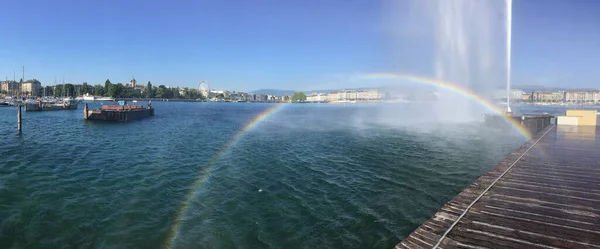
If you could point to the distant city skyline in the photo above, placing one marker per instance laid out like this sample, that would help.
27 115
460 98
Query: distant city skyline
268 44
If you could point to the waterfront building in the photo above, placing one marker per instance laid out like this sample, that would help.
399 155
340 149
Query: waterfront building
526 97
516 94
582 96
548 96
133 84
347 95
333 96
373 94
260 97
361 95
31 87
10 87
316 97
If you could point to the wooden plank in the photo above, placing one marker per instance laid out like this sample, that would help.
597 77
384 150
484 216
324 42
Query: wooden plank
562 216
551 203
497 233
552 185
483 221
549 199
493 241
557 190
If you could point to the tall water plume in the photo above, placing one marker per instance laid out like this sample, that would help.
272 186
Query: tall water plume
508 49
458 41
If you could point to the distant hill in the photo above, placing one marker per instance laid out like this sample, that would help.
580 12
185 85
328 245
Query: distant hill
529 88
278 92
275 92
320 91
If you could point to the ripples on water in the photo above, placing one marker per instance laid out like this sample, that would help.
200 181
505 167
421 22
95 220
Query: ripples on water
325 180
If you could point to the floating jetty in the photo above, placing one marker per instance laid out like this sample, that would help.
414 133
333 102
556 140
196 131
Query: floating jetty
118 113
546 194
39 106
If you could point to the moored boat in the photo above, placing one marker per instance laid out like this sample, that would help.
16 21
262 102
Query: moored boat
122 112
41 105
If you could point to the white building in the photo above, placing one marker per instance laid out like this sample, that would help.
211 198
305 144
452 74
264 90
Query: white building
582 96
516 94
316 97
369 94
333 96
31 87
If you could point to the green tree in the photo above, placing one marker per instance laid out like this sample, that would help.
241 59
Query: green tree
161 92
85 88
57 90
136 93
220 96
192 94
286 98
186 93
176 94
98 90
149 92
115 90
168 93
107 85
48 91
299 96
69 90
126 92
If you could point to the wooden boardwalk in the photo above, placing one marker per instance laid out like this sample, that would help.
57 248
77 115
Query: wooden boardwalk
546 194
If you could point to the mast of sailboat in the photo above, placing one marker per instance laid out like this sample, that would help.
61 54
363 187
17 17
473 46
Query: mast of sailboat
21 83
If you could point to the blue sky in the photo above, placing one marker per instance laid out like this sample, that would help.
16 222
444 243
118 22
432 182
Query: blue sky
248 45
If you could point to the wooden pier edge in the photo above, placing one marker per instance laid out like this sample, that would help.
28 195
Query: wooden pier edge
431 231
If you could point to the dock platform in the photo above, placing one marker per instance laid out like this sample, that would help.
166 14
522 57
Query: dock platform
546 194
118 113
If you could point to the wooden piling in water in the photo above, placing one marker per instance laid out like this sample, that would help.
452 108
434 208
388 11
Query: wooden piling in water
19 119
85 112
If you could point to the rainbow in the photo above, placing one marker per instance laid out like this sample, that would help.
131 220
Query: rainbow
174 230
451 87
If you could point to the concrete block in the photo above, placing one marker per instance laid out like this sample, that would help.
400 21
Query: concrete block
587 117
567 120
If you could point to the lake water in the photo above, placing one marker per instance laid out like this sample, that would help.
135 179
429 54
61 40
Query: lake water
308 176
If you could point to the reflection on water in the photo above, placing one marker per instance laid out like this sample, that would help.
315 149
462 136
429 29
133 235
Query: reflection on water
331 176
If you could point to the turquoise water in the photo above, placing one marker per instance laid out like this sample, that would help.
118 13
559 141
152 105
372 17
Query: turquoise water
309 176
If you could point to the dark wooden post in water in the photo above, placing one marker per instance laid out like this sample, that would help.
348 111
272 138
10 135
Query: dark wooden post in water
19 119
85 112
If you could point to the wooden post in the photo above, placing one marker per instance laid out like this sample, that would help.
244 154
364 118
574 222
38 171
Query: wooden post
19 119
85 111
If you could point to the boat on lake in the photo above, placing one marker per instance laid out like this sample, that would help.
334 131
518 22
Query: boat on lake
88 97
50 105
121 112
